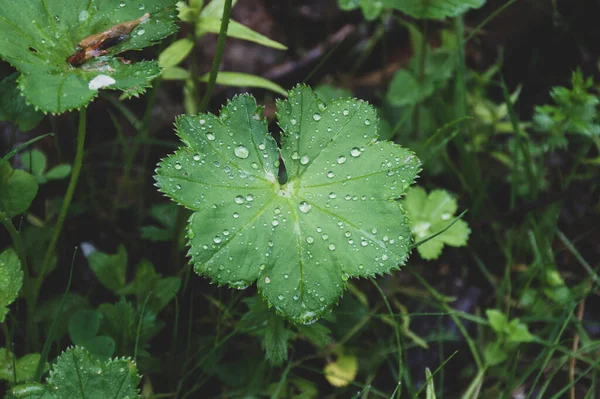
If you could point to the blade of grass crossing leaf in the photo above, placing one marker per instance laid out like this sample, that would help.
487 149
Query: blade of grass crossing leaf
50 338
439 232
237 79
238 31
396 333
429 377
26 144
139 327
281 382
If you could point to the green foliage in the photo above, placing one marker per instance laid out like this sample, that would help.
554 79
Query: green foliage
38 37
164 215
83 331
152 286
35 161
508 336
433 9
77 374
431 214
13 106
371 9
18 190
11 279
575 111
337 209
23 369
110 269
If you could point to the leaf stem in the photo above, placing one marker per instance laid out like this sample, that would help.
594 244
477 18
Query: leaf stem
77 163
218 56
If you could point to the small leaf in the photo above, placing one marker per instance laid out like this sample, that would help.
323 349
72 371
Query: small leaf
497 319
433 9
110 269
371 9
495 354
59 172
336 217
343 371
34 162
430 390
275 340
215 8
11 279
17 190
175 53
38 37
76 374
431 214
238 79
25 366
83 326
13 106
236 30
348 5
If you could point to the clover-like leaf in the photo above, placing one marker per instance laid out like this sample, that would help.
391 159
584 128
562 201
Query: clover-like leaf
336 216
23 368
11 279
431 214
433 9
17 190
77 374
37 37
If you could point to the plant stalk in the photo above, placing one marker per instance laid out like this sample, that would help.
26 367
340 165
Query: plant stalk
77 163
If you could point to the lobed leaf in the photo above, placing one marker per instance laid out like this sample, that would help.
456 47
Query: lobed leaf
433 9
37 37
336 217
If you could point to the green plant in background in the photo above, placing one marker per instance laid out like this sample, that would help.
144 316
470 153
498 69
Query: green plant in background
77 374
206 19
336 205
19 370
575 112
509 334
83 331
431 214
35 161
11 279
14 107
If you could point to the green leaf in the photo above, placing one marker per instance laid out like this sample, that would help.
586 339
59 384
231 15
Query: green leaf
59 172
110 269
236 30
83 326
17 190
239 79
215 8
329 93
13 106
497 319
336 217
348 5
34 162
77 374
316 333
11 279
431 214
38 37
433 9
430 390
175 53
495 353
371 9
275 340
24 366
149 284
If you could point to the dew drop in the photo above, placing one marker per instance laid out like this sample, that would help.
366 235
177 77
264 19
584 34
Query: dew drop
267 280
122 4
304 207
345 112
262 267
341 160
310 239
57 18
304 160
295 155
254 165
241 152
293 121
249 198
330 174
317 117
331 247
332 195
141 6
384 257
355 152
83 15
140 32
367 122
202 121
210 136
217 239
236 215
275 223
239 200
261 146
196 157
286 276
280 297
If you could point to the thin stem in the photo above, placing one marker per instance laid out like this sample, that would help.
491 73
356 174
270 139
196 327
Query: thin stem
218 56
77 163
